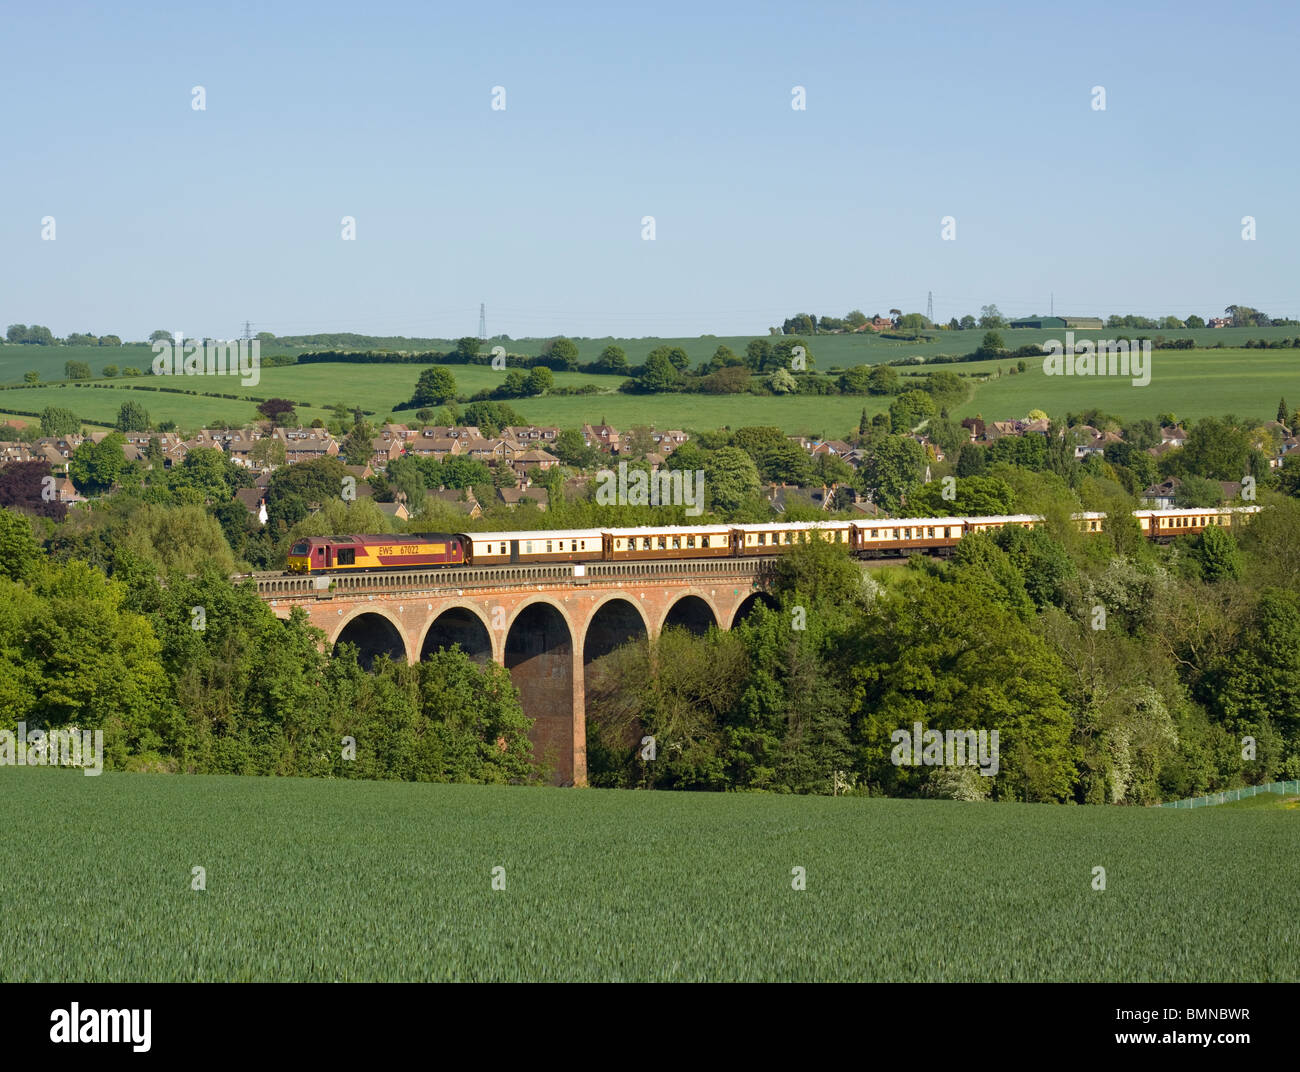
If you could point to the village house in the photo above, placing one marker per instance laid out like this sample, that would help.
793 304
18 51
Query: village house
254 500
1089 441
462 501
877 323
65 492
436 447
513 497
835 447
529 435
601 436
487 450
383 449
1287 446
669 441
783 496
530 461
306 444
396 510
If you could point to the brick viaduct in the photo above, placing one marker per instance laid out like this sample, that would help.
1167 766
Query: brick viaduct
544 623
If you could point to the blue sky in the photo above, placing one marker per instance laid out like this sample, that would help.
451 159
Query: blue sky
195 221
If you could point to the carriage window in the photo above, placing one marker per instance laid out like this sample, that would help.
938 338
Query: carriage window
645 543
930 532
528 547
663 543
704 541
690 540
677 541
762 538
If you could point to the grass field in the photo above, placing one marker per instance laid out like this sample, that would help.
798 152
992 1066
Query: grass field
1265 801
327 880
1190 384
378 387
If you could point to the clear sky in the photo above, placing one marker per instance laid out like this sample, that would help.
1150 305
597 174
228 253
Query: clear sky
195 221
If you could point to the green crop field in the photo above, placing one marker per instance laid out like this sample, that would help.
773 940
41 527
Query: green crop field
1188 383
98 401
334 880
379 387
15 360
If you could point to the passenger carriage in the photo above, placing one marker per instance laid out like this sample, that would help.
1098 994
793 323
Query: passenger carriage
668 541
510 548
1001 521
1164 525
887 536
763 539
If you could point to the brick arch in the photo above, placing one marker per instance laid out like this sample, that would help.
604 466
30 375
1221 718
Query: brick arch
380 608
528 599
623 597
441 607
699 593
758 595
619 596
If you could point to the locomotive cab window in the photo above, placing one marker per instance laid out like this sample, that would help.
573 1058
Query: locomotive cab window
300 548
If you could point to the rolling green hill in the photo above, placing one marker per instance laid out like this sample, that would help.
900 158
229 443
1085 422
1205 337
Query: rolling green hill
1188 383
